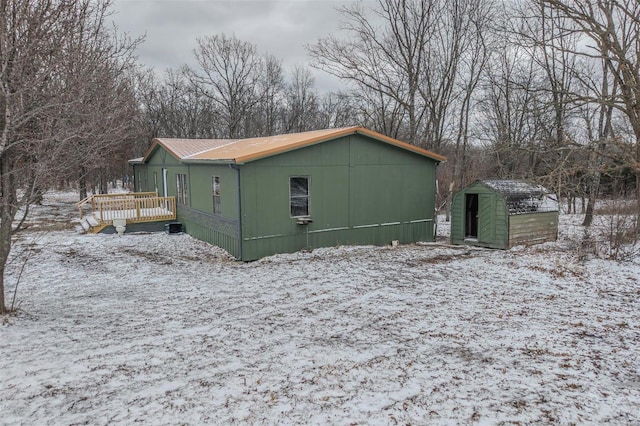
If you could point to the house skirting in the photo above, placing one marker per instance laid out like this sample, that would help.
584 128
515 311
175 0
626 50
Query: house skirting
214 229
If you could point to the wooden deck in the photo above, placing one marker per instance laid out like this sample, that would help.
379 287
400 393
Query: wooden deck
134 207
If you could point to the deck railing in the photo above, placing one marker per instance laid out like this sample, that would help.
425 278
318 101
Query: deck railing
134 207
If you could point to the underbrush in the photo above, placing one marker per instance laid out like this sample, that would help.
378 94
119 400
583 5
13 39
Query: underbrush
614 233
616 207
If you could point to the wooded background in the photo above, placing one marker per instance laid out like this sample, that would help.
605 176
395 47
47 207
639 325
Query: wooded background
546 90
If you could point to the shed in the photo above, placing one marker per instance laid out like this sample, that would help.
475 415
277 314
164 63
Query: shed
261 196
503 213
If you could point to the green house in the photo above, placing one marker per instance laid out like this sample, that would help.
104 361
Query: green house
261 196
503 213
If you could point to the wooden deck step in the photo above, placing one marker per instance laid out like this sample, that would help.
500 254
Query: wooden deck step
92 220
84 225
96 229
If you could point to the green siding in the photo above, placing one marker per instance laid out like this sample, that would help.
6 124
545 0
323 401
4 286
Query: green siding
140 178
496 227
361 192
457 218
197 217
501 223
201 176
492 217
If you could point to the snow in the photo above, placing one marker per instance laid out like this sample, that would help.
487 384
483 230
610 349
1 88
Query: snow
165 329
524 197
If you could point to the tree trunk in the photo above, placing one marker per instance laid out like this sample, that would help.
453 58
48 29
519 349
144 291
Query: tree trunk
593 194
6 221
102 183
637 204
82 183
3 308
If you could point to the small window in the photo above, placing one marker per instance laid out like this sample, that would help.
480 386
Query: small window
182 191
299 196
155 181
215 187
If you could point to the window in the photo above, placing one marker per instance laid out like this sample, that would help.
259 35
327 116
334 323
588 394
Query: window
182 191
155 181
215 187
299 196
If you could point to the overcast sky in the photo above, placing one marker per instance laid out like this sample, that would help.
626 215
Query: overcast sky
279 27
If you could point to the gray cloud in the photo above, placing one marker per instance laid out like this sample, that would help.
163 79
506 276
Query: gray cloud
278 27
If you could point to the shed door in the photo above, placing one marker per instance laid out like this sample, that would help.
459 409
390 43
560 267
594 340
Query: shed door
471 216
486 218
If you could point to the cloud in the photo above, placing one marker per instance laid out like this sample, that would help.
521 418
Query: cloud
278 27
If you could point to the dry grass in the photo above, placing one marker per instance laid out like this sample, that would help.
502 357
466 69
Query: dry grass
616 207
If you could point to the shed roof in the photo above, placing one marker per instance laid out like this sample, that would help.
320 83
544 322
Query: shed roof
245 150
522 196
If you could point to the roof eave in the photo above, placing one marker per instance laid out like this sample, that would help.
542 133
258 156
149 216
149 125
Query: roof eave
208 161
138 160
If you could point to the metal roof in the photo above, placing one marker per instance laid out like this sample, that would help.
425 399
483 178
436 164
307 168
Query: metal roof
185 148
522 196
245 150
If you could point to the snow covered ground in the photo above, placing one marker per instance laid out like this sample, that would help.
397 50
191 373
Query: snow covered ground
165 329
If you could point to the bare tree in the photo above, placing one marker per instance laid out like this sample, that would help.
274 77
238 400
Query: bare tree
336 110
271 94
387 60
543 36
475 50
301 100
599 127
61 73
176 107
407 55
611 32
381 112
229 75
507 118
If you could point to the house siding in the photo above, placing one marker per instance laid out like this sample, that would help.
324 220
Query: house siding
222 229
197 215
361 192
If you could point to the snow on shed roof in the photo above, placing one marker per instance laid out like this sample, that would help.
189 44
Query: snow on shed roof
522 196
245 150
